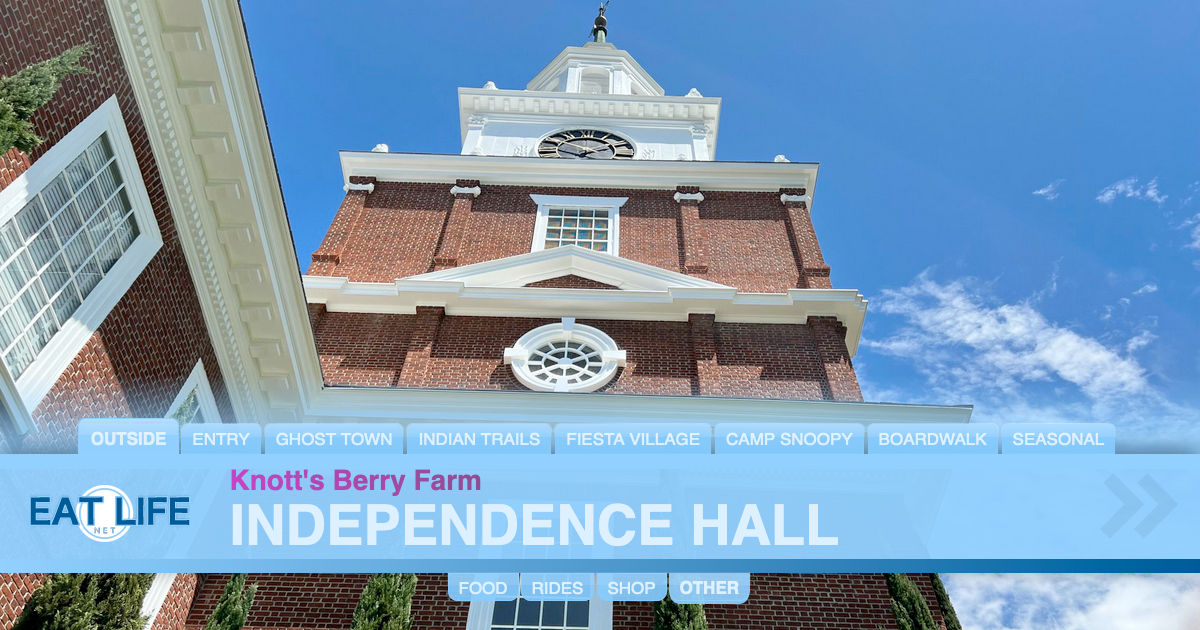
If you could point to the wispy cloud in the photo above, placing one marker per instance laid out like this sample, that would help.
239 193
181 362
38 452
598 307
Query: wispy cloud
1139 341
961 341
1149 287
1194 224
1076 601
1016 364
1151 193
1049 191
1129 188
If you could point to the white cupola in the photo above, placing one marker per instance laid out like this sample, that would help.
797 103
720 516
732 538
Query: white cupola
585 97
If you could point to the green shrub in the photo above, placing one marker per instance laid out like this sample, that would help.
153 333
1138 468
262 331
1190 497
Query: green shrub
22 94
912 613
87 601
234 606
669 615
386 602
943 599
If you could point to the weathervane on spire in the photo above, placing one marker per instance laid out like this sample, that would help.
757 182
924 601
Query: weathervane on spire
600 27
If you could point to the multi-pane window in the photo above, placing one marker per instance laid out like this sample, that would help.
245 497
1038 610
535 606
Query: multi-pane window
523 614
589 222
57 248
589 228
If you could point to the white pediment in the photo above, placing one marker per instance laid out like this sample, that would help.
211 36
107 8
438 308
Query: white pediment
596 69
518 271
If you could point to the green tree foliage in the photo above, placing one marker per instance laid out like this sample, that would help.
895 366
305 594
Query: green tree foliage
87 601
386 602
912 613
943 599
669 615
25 92
234 606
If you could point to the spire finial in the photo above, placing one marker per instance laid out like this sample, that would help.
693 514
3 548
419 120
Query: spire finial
600 27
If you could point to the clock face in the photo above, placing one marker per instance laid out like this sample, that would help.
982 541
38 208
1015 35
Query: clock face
586 144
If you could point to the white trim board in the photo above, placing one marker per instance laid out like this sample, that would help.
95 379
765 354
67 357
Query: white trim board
156 596
35 382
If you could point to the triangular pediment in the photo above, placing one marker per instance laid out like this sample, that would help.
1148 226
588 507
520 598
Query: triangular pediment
570 260
556 76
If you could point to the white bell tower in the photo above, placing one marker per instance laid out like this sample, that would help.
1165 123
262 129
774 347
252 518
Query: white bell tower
595 88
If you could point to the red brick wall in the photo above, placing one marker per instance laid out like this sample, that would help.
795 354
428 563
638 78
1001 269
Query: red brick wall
323 600
786 601
397 230
287 600
751 360
570 281
142 353
174 611
778 601
15 589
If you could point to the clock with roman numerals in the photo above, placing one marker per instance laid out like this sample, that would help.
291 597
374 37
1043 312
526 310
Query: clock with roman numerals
586 144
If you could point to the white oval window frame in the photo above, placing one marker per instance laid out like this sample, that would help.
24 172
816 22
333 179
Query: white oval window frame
567 330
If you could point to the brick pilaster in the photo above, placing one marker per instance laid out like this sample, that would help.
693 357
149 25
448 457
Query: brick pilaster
814 273
325 260
695 256
415 371
316 313
704 352
830 337
458 219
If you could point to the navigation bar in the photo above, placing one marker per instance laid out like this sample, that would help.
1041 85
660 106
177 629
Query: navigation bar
165 436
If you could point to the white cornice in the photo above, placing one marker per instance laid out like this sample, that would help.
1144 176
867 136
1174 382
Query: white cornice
671 304
523 104
618 174
362 404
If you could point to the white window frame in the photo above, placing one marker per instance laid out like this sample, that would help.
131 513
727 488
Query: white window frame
599 615
198 380
611 205
35 382
10 400
566 331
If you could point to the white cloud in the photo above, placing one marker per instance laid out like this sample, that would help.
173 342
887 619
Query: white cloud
1125 188
1149 287
1075 601
961 342
1049 191
1016 365
1139 341
1129 188
1151 192
1193 223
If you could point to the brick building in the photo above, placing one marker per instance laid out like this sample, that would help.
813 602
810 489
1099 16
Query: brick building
584 258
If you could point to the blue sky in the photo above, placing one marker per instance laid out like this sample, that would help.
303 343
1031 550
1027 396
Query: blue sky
1016 189
1015 186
